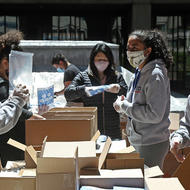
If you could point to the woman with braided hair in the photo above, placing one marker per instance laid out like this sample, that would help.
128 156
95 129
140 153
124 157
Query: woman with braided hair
147 103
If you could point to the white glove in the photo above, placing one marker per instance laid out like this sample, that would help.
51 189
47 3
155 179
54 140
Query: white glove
118 103
22 92
175 144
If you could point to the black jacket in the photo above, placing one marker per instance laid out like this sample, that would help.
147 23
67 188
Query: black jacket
8 152
108 118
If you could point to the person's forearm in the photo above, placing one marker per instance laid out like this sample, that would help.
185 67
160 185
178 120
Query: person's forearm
10 112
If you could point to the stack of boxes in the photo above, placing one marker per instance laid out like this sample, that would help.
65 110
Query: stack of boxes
67 159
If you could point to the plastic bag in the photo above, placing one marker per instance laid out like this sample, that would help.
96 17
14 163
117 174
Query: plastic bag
20 69
96 90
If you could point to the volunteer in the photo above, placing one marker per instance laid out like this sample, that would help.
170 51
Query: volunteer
101 71
181 138
61 63
147 103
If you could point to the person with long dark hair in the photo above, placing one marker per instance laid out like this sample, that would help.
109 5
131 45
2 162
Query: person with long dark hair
101 71
147 103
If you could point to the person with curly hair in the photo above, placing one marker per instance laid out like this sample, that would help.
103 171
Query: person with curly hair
101 71
147 103
10 41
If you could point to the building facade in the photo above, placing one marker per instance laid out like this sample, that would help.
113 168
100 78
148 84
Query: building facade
110 21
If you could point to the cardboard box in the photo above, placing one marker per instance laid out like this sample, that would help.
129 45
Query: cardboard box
30 153
26 178
171 164
182 172
66 129
57 168
109 178
79 111
17 182
58 173
163 184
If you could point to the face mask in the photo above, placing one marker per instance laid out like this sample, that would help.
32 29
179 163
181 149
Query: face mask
60 70
135 58
101 65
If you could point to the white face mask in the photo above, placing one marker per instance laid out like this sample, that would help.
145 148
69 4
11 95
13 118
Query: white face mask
135 58
101 65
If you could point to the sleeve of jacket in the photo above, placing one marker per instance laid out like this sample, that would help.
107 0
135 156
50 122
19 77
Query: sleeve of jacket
3 92
183 132
26 114
76 89
10 112
123 86
156 100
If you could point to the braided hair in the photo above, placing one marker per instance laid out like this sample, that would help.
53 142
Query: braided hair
155 39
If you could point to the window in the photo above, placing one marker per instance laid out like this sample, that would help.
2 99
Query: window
67 28
8 23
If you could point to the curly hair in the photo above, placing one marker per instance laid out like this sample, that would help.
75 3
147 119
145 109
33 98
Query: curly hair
105 49
156 40
10 41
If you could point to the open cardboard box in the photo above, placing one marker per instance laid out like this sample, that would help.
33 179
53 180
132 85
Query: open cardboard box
183 171
55 168
58 173
26 178
69 128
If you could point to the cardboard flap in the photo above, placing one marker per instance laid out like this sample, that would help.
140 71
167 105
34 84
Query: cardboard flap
43 146
32 153
182 172
27 172
153 172
77 175
104 152
95 137
16 144
125 163
86 149
163 184
174 118
129 149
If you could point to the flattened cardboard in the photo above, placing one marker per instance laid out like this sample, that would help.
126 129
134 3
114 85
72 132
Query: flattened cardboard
75 129
163 184
183 171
